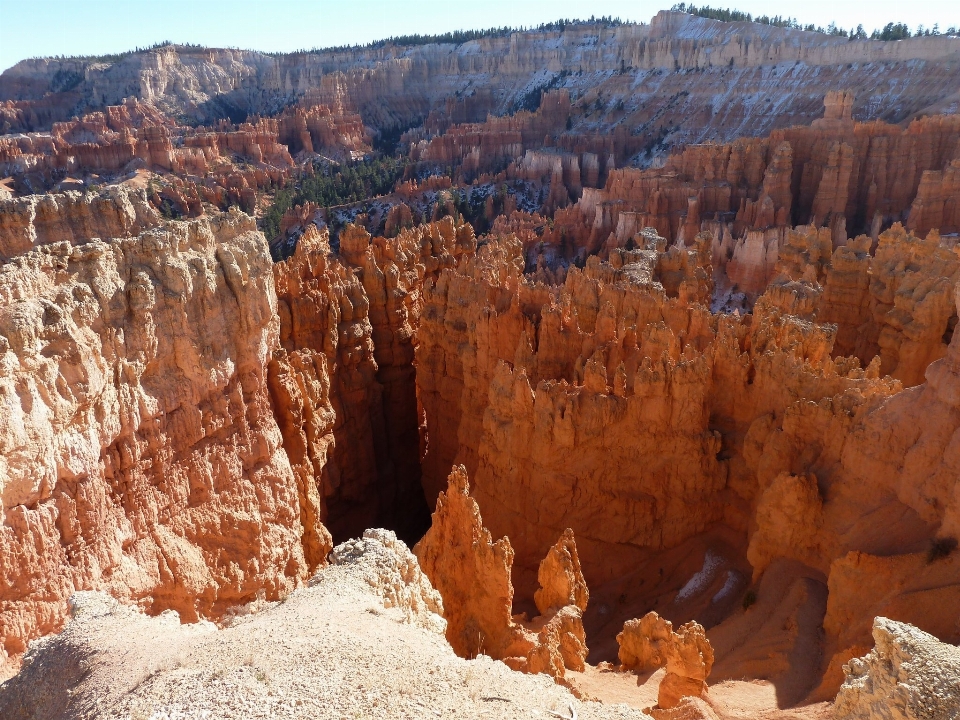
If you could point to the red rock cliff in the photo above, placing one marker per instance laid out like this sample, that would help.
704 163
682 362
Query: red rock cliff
140 454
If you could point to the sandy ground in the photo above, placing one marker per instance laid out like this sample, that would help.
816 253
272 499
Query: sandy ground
730 699
333 650
140 179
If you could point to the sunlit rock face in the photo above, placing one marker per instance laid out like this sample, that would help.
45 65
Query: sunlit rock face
140 454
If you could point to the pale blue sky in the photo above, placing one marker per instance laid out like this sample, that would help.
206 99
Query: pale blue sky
30 28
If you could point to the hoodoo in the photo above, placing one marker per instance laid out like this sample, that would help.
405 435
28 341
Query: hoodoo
599 369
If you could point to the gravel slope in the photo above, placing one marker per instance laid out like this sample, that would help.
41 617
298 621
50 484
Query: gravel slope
363 641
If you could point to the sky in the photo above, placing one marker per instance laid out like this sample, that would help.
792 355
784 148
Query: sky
38 28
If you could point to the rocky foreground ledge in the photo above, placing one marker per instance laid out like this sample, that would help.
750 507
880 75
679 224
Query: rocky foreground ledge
364 639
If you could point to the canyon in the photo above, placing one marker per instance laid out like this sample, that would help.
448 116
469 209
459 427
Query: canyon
634 392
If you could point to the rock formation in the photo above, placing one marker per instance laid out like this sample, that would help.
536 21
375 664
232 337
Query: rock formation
473 575
560 578
392 572
348 322
789 519
751 423
73 218
471 572
689 660
651 643
694 414
666 71
908 674
846 176
223 165
643 643
717 345
139 451
312 654
689 708
479 147
607 338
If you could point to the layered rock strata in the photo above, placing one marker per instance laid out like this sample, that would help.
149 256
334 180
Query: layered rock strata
300 375
744 441
222 165
895 304
139 453
836 173
667 72
685 422
72 217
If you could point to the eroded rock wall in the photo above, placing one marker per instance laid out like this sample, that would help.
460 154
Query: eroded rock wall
610 400
668 71
353 317
139 453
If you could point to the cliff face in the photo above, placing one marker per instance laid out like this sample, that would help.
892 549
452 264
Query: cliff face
348 322
222 165
186 420
732 376
71 218
170 388
138 450
611 401
896 304
478 147
549 368
679 70
850 177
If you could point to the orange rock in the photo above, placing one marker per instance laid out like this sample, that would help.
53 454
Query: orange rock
650 643
835 173
477 147
689 661
642 643
72 217
896 304
789 517
318 128
139 453
358 313
472 574
561 582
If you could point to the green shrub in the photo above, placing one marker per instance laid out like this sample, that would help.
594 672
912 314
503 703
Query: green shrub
334 185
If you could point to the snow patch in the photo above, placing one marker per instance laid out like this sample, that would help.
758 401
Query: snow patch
696 584
729 586
728 300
